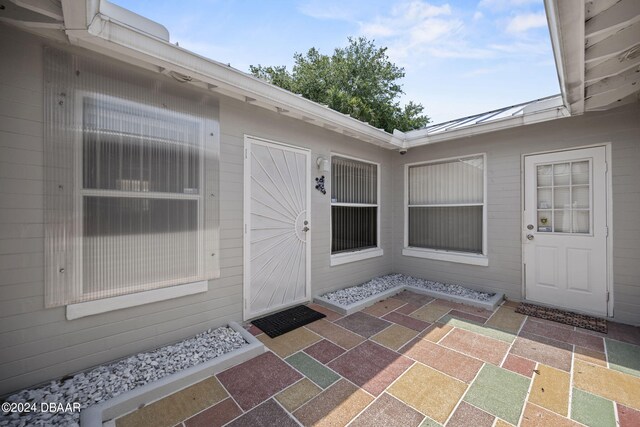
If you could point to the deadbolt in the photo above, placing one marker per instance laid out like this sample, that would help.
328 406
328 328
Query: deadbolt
530 227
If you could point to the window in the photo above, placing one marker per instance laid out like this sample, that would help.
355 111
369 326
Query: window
354 205
131 200
446 208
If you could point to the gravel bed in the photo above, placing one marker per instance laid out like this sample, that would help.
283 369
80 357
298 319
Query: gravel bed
107 381
375 286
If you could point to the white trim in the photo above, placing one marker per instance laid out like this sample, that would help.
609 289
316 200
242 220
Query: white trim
246 253
357 254
347 257
458 257
437 254
89 308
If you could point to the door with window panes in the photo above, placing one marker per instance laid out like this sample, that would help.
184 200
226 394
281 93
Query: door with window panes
565 230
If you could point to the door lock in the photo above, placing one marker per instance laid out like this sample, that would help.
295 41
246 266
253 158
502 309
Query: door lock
530 227
305 229
529 236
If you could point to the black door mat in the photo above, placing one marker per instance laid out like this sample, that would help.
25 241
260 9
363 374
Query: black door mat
566 317
285 321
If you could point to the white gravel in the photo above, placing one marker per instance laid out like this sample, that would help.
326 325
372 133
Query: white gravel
375 286
107 381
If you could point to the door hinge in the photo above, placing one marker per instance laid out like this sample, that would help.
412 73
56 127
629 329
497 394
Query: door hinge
245 229
606 230
245 153
607 296
606 167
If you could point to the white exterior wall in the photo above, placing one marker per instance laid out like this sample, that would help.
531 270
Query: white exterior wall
38 344
504 150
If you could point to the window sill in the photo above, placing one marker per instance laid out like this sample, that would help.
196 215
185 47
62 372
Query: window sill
347 257
459 257
89 308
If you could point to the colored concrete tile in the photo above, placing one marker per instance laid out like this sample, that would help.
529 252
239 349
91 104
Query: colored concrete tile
408 308
389 412
314 370
362 324
591 356
298 394
336 406
467 415
435 332
174 408
624 357
543 350
607 383
535 416
431 312
331 315
215 416
256 380
467 316
371 366
511 303
394 337
519 364
560 332
477 328
291 342
413 298
324 351
592 410
335 334
628 417
477 311
506 319
429 391
444 360
428 422
381 308
478 346
407 321
550 389
266 415
625 333
499 392
253 330
502 423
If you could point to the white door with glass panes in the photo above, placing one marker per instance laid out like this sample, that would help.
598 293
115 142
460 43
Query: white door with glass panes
277 223
565 230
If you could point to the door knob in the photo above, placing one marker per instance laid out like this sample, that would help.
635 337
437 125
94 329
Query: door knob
530 236
305 229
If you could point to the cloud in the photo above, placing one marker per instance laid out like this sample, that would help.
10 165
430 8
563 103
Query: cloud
478 15
525 22
497 5
330 10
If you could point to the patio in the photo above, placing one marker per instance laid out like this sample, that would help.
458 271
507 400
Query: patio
414 361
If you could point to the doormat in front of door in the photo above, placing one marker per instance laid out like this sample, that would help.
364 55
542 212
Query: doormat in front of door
566 317
285 321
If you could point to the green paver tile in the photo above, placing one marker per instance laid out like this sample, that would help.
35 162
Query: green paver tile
592 410
499 392
623 357
477 328
428 422
315 371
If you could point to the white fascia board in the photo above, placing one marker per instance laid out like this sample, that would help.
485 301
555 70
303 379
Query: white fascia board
104 33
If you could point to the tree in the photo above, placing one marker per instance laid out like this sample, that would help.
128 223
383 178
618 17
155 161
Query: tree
358 80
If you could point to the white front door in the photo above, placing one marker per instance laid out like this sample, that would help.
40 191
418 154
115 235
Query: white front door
276 243
565 230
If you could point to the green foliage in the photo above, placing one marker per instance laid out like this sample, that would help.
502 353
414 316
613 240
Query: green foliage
358 80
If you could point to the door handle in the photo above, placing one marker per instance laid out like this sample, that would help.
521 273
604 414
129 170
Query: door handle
529 236
305 229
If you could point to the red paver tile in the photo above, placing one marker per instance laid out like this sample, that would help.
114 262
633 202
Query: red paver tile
389 412
331 315
406 321
324 351
478 346
267 414
444 360
462 315
217 415
543 350
468 415
481 312
519 365
618 331
628 417
254 330
408 308
371 366
562 334
362 324
591 356
413 298
256 380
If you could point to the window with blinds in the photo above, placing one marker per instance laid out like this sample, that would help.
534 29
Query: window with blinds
354 205
131 182
446 205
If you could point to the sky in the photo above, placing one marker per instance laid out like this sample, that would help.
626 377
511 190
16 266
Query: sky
460 57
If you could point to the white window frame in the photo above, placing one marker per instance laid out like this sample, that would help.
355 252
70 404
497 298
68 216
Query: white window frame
357 254
442 254
164 290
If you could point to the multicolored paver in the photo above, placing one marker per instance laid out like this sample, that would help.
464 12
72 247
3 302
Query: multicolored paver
415 361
